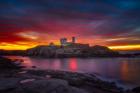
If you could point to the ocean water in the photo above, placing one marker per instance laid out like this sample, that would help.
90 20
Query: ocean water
124 71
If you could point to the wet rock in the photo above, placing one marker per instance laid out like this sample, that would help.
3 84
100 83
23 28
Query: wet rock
8 84
27 80
25 76
22 72
50 86
48 76
76 82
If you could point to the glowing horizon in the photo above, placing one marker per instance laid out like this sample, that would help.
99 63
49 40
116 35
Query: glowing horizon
24 47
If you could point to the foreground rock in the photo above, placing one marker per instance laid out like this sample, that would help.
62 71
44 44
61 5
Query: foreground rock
8 84
12 85
52 81
136 90
50 86
88 82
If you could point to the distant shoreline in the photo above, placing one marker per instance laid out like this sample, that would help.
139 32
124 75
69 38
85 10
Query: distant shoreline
68 52
125 55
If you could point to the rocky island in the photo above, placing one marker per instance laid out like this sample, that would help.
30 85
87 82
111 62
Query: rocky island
71 51
67 49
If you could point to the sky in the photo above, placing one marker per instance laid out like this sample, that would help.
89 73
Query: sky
112 23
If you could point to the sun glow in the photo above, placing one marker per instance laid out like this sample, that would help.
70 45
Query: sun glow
15 46
125 47
25 45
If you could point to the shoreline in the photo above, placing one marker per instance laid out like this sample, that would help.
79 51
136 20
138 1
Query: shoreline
102 56
87 82
97 75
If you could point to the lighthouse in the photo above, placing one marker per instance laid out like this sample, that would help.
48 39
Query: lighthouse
73 40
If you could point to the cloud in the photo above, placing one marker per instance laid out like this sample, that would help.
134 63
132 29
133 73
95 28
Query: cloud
108 22
29 34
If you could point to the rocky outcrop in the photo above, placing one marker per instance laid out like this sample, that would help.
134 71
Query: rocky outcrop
44 51
53 81
88 82
54 51
102 51
13 52
50 86
136 90
6 63
13 85
8 84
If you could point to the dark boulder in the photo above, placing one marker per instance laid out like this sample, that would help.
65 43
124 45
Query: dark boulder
8 84
136 90
6 63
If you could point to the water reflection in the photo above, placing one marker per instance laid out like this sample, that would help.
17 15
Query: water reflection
73 64
27 62
57 64
124 70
